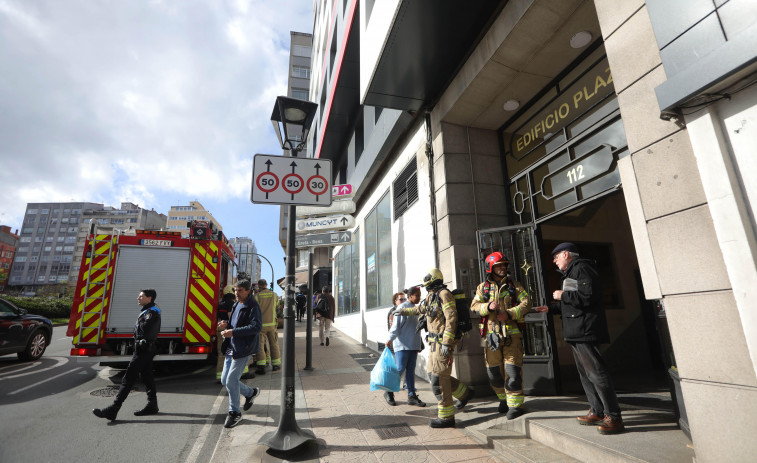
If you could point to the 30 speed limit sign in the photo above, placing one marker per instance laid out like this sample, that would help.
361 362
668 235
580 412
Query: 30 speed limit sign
288 180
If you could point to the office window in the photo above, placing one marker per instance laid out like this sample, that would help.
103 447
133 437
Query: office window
45 211
64 220
26 239
61 239
53 278
48 248
28 230
302 50
302 258
300 93
31 211
68 249
41 279
378 255
347 277
20 258
302 72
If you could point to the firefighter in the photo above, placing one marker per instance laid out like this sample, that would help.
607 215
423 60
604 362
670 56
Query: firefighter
502 303
441 324
145 342
267 301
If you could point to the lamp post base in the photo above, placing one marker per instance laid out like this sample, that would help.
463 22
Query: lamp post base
286 440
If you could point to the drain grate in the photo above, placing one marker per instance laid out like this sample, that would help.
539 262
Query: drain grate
110 391
363 355
393 431
368 367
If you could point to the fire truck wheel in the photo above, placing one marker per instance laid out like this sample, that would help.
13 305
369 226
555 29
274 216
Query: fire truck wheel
34 348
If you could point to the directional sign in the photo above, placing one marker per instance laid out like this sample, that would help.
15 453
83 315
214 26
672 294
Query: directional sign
289 180
323 239
342 190
337 207
331 222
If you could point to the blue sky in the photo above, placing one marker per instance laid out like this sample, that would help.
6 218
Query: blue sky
154 102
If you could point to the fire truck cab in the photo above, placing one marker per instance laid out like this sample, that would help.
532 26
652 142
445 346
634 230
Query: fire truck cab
188 275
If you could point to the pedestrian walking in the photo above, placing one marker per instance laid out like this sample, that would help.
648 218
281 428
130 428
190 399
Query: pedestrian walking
325 311
145 345
224 308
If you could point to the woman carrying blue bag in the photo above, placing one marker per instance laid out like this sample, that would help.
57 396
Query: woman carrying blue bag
406 342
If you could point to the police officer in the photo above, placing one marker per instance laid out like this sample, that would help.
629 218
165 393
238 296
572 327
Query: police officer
145 344
441 323
502 303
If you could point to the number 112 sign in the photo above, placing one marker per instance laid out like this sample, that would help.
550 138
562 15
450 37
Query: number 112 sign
289 180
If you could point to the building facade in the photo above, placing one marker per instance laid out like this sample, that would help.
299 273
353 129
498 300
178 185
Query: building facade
178 217
46 247
109 220
248 260
8 243
625 127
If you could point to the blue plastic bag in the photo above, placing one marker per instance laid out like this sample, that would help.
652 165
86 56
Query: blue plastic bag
385 375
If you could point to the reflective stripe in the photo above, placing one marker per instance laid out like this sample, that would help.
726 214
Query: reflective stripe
446 413
479 298
461 390
502 396
448 305
514 401
449 335
276 362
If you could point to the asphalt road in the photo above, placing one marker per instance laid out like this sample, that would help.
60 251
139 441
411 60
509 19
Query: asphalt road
46 412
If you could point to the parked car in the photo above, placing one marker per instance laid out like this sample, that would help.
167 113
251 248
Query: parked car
23 333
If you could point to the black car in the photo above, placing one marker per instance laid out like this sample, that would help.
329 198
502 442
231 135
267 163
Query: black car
22 333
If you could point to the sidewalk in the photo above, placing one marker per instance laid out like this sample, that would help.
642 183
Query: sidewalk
351 423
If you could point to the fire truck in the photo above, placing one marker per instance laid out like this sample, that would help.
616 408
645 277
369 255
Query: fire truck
188 275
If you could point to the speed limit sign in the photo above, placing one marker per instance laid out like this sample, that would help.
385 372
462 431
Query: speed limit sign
289 180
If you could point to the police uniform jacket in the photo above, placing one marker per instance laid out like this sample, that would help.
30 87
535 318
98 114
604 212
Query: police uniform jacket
582 310
512 297
441 315
148 323
246 326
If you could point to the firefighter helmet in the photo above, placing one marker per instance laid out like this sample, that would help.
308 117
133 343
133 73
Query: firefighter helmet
433 278
494 259
229 289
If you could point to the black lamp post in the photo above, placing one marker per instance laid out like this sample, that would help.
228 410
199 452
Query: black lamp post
291 120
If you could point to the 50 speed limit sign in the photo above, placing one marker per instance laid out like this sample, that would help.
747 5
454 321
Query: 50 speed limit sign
288 180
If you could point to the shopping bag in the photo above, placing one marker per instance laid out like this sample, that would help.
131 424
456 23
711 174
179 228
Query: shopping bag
385 375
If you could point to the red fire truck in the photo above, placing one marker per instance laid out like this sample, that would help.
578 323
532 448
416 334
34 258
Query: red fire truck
188 275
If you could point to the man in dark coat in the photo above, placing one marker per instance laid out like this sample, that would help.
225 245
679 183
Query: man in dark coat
584 328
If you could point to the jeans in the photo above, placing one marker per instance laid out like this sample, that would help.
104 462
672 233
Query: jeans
232 371
406 362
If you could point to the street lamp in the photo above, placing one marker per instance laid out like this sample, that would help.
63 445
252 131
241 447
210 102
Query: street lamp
291 121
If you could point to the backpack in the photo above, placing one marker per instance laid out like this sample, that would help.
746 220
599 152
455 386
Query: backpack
462 304
322 307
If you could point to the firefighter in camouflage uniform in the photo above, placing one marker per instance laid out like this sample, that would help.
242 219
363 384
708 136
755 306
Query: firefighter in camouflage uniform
502 304
441 323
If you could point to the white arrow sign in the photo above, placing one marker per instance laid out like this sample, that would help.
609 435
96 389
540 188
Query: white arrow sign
332 222
343 191
337 207
323 239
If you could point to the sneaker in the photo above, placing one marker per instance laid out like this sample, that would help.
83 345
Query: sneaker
275 368
514 413
461 403
327 341
150 409
611 425
413 399
590 419
232 420
389 397
440 423
503 408
108 412
249 400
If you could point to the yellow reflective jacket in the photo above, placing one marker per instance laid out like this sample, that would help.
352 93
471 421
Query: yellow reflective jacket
267 301
512 297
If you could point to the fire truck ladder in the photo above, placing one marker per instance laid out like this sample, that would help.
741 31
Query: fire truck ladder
96 288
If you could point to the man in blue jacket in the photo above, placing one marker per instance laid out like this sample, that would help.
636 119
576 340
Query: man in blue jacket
584 328
241 336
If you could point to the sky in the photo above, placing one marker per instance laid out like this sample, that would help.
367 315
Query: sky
154 102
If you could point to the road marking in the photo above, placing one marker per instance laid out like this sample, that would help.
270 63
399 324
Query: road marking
58 361
24 367
44 381
203 436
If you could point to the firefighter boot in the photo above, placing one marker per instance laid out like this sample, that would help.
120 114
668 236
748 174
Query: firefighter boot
108 412
461 403
514 412
442 423
503 408
150 409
